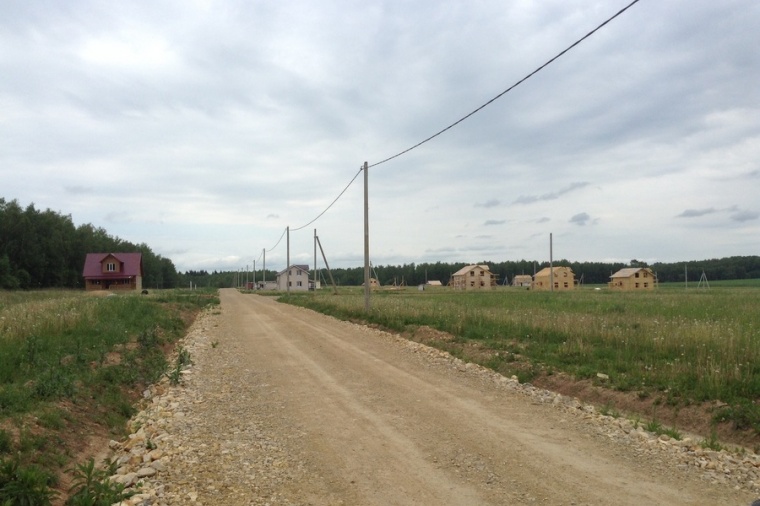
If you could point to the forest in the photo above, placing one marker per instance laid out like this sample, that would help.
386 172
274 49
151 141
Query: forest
44 249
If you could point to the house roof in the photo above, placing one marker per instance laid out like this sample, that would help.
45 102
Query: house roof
304 268
546 271
627 272
131 265
464 270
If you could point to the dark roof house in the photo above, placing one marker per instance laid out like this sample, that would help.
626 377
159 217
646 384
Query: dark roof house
113 271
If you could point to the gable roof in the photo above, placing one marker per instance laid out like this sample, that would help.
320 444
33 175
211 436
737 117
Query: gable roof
131 265
467 268
546 271
627 272
304 268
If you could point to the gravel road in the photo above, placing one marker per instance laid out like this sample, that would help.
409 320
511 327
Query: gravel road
284 406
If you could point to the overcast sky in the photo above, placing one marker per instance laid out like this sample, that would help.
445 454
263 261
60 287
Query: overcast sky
204 128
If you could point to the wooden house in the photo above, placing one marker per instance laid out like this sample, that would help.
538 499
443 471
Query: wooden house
113 271
473 277
299 278
633 278
563 278
524 280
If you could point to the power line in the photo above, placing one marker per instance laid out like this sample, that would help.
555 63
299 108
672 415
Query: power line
460 120
589 34
278 240
331 204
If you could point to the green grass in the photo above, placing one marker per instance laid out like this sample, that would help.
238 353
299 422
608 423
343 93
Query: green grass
68 354
696 345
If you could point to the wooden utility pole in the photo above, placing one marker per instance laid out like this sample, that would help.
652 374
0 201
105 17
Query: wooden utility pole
551 263
315 260
264 269
366 239
327 266
287 266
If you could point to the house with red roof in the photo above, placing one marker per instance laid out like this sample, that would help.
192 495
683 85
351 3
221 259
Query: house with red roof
113 271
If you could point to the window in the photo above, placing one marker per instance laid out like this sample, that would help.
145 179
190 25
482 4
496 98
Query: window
111 267
646 285
472 283
472 273
482 273
637 285
636 275
556 284
299 283
565 284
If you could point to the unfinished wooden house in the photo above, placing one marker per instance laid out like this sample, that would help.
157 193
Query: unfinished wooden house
473 277
633 278
524 280
563 279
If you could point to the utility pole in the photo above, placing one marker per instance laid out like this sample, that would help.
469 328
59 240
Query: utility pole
315 260
366 239
551 263
264 269
287 266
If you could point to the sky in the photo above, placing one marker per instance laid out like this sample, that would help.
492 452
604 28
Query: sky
204 128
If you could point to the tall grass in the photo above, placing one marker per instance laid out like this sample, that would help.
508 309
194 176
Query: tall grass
695 345
69 354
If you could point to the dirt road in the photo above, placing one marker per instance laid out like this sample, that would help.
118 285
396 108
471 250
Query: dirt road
353 417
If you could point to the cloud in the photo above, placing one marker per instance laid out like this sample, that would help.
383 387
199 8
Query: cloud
489 203
78 190
543 220
494 222
745 216
580 219
695 213
530 199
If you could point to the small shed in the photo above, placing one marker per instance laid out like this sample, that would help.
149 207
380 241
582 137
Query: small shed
473 277
633 278
563 278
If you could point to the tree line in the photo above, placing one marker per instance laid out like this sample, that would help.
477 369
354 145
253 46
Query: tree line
44 249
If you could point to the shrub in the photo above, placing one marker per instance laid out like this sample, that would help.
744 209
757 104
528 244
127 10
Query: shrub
92 486
24 486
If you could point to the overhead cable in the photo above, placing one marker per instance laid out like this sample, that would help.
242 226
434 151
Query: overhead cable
331 204
278 240
589 34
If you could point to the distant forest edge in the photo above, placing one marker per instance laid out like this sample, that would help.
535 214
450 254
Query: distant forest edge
43 249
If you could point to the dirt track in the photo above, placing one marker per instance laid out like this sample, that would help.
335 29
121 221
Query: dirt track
354 417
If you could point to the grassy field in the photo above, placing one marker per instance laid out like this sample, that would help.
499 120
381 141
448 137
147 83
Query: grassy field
684 346
73 363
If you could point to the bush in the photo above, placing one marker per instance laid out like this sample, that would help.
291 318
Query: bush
24 486
92 486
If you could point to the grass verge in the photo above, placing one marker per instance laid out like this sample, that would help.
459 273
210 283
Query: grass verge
73 365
